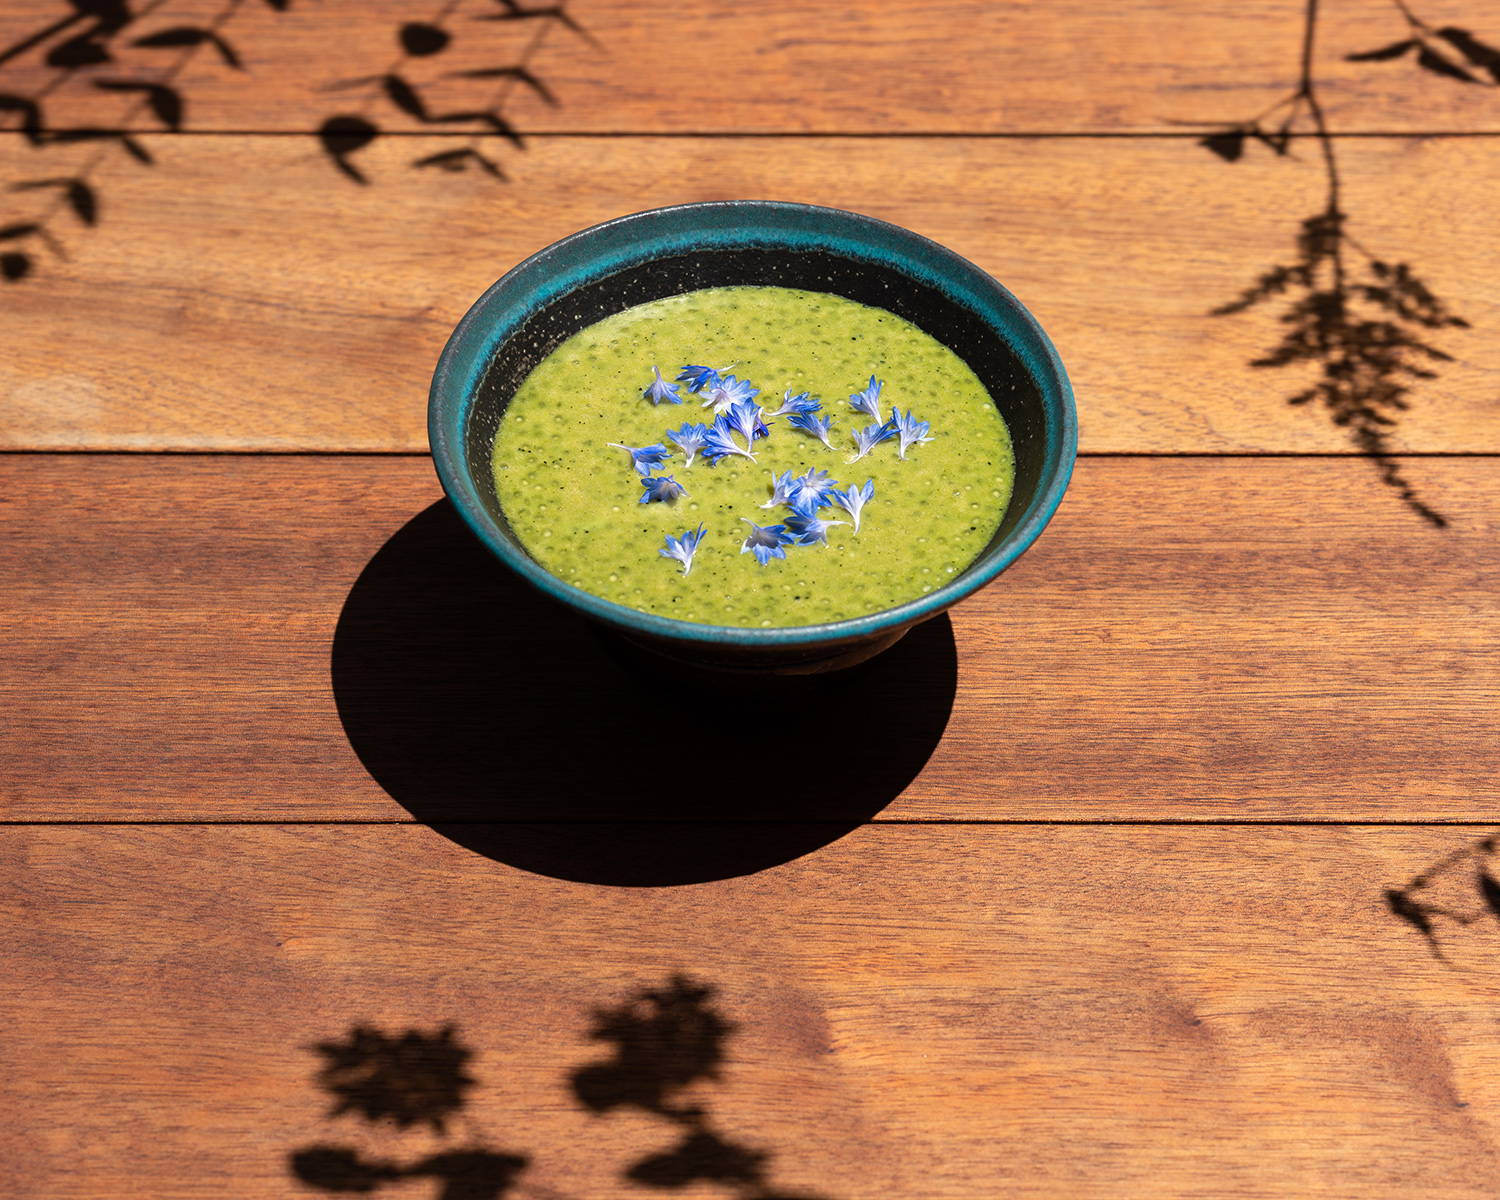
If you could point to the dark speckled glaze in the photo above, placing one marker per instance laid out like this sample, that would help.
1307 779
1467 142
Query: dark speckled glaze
645 256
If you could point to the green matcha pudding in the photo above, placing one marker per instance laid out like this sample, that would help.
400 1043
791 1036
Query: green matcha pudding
753 456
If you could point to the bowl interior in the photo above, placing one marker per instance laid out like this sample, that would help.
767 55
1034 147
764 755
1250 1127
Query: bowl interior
1016 393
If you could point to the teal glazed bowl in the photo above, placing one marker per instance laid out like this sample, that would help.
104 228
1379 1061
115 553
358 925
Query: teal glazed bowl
648 255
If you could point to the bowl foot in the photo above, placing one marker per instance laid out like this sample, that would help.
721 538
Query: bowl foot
716 664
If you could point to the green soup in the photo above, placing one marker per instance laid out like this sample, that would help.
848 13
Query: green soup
575 502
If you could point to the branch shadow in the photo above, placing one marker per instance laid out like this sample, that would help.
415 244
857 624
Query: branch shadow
1457 891
104 34
523 733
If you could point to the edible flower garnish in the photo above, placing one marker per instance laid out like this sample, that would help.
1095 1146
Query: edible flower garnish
852 499
869 437
683 548
645 459
807 527
868 401
662 487
811 490
689 439
780 485
659 391
912 431
810 422
698 378
766 541
718 445
726 392
744 418
800 403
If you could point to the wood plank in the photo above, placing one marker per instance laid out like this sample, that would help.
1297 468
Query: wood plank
1194 638
188 321
856 66
934 1012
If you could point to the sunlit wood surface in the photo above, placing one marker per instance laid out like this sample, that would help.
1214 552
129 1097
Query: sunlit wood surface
944 1011
1157 869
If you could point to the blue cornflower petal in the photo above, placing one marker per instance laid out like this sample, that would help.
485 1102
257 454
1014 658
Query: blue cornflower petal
744 418
765 541
810 422
802 402
698 378
852 499
659 391
807 527
869 437
780 485
644 459
689 439
662 487
868 401
911 431
811 490
718 444
683 548
729 391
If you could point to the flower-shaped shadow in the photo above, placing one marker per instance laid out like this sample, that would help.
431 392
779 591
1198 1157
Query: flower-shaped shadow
668 1043
412 1079
527 735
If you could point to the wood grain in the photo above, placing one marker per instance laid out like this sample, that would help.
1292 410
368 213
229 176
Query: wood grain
853 66
1194 638
189 321
917 1011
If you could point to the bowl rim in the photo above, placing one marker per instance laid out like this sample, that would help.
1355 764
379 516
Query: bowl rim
451 464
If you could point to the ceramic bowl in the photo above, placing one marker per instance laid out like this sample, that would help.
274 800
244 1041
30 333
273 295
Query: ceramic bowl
648 255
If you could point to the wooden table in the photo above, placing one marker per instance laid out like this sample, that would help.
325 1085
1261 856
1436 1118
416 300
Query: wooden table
329 864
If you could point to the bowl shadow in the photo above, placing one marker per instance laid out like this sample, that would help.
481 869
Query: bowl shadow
522 732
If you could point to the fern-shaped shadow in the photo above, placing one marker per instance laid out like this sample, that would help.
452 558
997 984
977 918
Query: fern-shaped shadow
1366 331
1366 323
